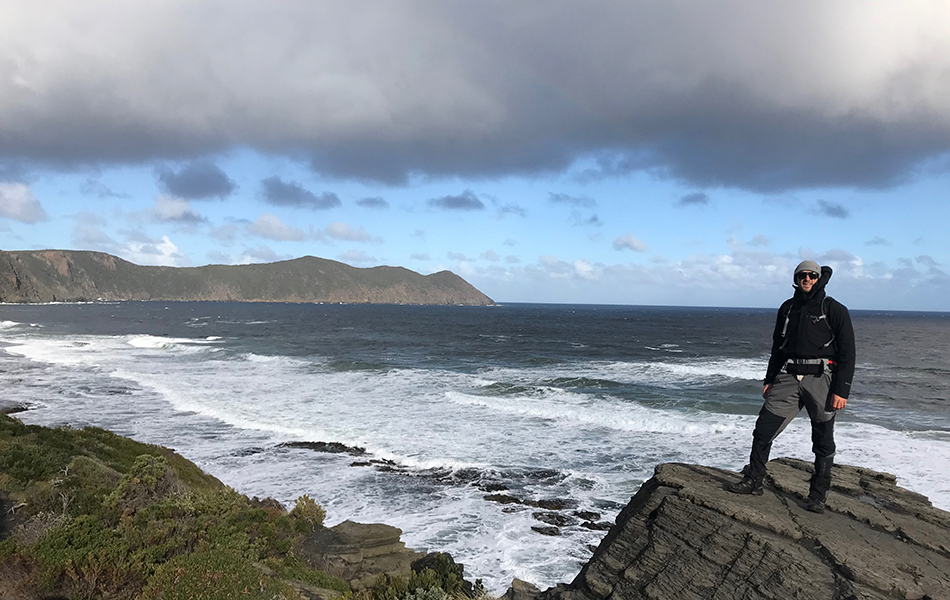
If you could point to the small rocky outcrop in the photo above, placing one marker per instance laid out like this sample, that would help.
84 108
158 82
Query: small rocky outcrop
361 552
683 537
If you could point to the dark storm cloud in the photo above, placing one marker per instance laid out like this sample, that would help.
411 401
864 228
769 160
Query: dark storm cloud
467 200
582 201
372 202
695 199
830 209
196 181
280 193
727 93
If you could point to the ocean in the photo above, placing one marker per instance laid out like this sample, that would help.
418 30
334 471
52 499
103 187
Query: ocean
457 407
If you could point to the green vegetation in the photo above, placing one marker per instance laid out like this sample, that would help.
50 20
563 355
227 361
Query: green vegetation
99 515
440 580
74 275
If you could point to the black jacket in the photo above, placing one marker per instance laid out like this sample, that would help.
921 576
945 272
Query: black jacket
807 334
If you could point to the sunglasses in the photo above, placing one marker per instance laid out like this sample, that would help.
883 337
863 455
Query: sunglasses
801 276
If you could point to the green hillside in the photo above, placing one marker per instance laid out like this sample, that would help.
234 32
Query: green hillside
71 276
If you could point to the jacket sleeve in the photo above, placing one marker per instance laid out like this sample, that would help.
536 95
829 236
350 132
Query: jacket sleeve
777 358
844 349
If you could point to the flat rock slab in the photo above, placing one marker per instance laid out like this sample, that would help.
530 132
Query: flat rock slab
683 537
361 552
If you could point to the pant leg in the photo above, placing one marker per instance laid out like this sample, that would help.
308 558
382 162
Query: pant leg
782 403
817 397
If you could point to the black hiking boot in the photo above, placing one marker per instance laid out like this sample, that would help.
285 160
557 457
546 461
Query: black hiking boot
748 485
820 484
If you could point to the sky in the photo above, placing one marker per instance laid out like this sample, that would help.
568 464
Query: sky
663 153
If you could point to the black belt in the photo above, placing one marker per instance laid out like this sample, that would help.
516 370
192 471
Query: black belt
808 366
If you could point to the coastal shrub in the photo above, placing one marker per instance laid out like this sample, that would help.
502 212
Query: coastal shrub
425 580
212 574
307 511
292 567
104 516
427 594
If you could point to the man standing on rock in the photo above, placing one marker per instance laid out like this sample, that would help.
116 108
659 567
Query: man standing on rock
811 366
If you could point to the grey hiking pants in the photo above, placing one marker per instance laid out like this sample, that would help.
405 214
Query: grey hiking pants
785 399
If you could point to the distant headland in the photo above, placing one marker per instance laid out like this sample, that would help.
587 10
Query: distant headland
75 276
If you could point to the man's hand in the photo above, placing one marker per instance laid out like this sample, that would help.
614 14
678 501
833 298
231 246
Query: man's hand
838 402
765 390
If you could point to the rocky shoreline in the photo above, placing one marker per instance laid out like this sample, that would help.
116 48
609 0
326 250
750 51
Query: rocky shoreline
681 536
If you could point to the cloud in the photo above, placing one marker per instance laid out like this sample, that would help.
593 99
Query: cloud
372 202
579 201
759 240
341 231
579 221
510 242
926 259
167 209
694 199
357 257
457 256
226 233
723 94
271 227
511 259
629 242
418 256
490 255
280 193
161 252
511 209
464 201
196 181
261 254
91 187
833 210
877 241
17 203
88 235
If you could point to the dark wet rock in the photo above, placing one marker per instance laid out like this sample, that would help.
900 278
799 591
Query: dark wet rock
521 590
553 503
330 447
546 530
361 463
597 526
553 518
493 487
684 536
587 515
360 552
503 499
248 451
10 409
546 504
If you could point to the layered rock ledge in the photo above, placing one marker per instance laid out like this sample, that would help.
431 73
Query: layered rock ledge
683 536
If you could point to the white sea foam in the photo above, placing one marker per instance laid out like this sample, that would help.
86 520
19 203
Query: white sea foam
9 325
